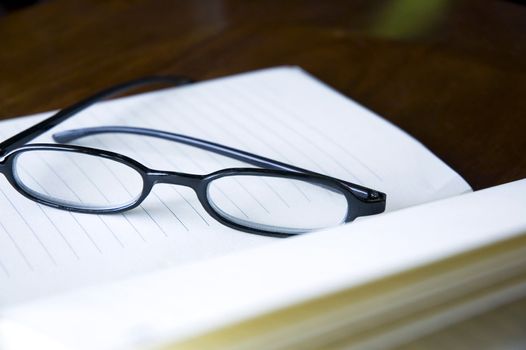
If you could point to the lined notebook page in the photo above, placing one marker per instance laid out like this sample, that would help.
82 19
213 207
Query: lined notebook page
280 113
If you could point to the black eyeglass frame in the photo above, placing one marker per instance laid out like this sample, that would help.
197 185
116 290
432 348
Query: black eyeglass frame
361 201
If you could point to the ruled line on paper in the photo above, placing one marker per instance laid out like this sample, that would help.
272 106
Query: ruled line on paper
4 268
31 229
79 199
217 126
86 233
124 215
114 235
17 247
52 223
173 212
59 231
274 100
272 131
234 123
282 123
42 188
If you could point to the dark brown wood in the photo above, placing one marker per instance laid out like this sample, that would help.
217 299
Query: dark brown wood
453 76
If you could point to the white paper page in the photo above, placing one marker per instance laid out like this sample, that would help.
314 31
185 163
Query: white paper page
280 113
192 299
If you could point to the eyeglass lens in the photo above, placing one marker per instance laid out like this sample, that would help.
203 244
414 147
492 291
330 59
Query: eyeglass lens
77 180
277 204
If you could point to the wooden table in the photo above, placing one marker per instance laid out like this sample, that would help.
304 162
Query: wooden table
451 73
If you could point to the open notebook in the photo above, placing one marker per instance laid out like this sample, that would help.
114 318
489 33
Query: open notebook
166 274
280 113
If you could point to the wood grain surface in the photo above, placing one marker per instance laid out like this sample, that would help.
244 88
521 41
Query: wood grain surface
451 73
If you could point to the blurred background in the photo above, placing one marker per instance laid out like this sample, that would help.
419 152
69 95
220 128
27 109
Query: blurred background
11 5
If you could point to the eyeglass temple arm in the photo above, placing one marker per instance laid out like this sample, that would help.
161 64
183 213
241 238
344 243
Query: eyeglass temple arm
361 192
57 118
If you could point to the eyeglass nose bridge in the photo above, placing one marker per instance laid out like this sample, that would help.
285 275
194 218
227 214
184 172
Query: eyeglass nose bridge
174 178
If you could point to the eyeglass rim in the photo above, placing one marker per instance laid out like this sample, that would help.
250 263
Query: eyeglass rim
202 193
7 167
199 183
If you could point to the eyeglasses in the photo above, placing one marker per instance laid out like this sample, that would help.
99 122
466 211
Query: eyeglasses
83 179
